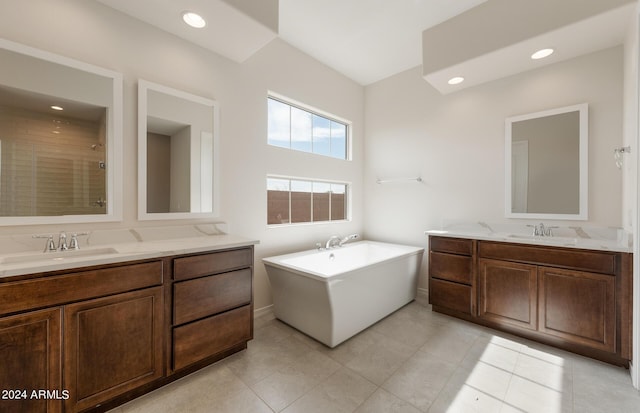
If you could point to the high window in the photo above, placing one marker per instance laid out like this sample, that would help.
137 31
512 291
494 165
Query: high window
294 127
297 201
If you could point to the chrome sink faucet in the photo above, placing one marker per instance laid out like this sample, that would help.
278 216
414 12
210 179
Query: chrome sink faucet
541 231
62 242
73 244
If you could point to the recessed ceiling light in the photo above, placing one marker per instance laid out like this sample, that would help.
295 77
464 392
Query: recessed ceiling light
56 107
193 19
456 80
541 54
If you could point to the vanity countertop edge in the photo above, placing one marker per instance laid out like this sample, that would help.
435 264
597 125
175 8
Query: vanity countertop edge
575 243
127 252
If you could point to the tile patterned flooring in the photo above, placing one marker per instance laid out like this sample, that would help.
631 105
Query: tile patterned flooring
414 360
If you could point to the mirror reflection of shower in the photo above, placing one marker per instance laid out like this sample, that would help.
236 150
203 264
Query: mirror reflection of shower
50 156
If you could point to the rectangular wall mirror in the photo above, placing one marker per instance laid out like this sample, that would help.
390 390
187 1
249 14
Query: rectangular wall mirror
60 129
546 157
177 154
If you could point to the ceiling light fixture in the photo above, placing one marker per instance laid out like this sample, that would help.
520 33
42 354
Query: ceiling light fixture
541 54
193 19
56 107
456 80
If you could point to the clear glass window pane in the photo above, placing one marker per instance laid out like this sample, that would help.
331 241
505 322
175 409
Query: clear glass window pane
278 201
321 135
298 201
321 201
303 130
301 126
338 140
279 121
301 201
338 202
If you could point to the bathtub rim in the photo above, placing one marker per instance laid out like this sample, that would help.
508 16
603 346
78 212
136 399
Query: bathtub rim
276 261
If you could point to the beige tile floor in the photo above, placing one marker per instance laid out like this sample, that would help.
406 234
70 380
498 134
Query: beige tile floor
412 361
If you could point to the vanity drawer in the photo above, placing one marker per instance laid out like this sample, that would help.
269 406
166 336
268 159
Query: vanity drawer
194 299
450 267
449 295
76 286
451 245
207 264
210 336
583 260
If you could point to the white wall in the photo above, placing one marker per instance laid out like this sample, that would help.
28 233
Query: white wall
90 32
456 144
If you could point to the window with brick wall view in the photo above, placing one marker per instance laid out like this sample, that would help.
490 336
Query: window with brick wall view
296 201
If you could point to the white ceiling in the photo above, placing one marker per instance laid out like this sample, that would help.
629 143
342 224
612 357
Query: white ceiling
366 40
229 31
598 32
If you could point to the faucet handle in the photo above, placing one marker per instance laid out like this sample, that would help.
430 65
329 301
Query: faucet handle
74 244
50 246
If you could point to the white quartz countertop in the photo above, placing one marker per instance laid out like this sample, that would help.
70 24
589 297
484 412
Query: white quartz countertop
581 239
28 262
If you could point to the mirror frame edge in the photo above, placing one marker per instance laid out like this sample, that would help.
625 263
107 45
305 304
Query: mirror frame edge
582 215
114 141
143 215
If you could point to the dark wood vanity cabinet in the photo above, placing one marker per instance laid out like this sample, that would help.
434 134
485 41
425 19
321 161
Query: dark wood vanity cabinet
112 345
97 337
451 274
30 359
508 293
579 300
212 305
578 307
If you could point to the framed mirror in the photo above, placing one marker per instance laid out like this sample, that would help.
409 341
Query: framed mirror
60 131
177 154
546 157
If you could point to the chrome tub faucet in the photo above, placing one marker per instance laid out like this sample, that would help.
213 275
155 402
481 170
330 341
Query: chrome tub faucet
336 241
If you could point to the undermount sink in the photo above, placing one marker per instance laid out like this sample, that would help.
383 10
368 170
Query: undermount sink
56 256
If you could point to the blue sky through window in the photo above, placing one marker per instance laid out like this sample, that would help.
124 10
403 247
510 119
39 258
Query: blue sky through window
295 128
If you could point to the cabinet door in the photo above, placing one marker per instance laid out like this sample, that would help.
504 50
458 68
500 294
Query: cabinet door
30 360
112 345
507 293
578 307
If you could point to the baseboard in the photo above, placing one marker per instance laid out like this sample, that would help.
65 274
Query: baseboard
423 292
263 311
632 372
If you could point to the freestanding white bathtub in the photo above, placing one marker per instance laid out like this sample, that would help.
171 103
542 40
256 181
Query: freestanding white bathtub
331 295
